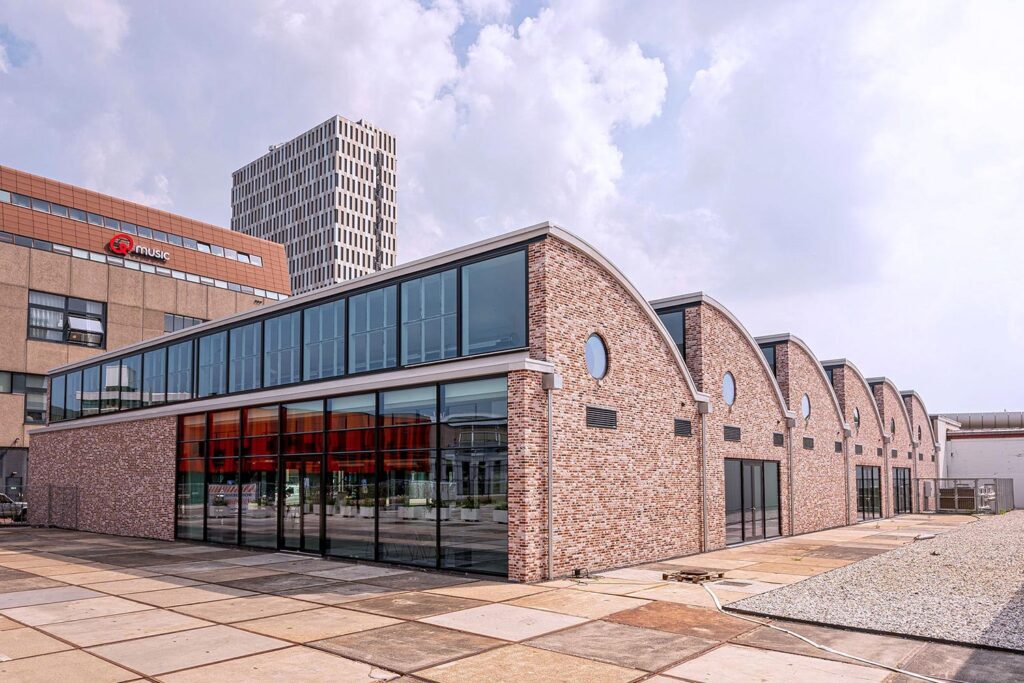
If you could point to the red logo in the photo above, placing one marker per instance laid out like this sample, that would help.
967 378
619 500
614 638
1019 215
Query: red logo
121 244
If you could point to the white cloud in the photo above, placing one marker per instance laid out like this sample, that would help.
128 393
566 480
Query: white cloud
105 22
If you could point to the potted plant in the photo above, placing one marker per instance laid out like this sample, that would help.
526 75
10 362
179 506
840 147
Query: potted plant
444 510
349 508
500 513
470 510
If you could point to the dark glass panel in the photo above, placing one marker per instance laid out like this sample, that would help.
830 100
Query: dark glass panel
324 340
222 500
281 340
189 500
191 449
73 402
260 445
131 382
352 412
350 507
259 502
302 500
154 380
261 421
494 304
372 330
474 521
428 318
297 444
405 438
57 387
192 427
733 501
110 391
408 483
223 448
244 358
91 390
350 440
225 424
772 505
179 372
307 416
213 364
408 406
675 323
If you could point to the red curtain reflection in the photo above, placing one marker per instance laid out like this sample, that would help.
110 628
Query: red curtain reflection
225 424
354 463
409 461
351 440
297 444
191 450
250 465
192 427
262 445
304 417
190 466
403 438
262 421
223 448
227 466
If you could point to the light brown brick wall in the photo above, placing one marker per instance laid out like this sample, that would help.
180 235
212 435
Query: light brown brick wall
122 476
852 394
890 405
819 474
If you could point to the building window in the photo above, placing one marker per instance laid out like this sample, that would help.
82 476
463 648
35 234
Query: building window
173 323
494 304
212 364
154 378
729 389
324 341
805 406
57 398
67 320
179 372
110 386
429 319
244 363
675 323
281 340
73 396
856 418
91 391
892 426
371 330
596 356
131 382
769 356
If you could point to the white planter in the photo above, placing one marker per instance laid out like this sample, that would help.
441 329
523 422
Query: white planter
470 514
348 510
446 514
218 511
366 512
412 512
501 516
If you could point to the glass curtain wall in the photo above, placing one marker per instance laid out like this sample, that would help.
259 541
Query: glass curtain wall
413 476
869 492
324 341
752 502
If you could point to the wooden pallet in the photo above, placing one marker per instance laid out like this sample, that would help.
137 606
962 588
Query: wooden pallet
692 575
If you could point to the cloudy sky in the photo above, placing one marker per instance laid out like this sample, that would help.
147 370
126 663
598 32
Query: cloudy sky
850 173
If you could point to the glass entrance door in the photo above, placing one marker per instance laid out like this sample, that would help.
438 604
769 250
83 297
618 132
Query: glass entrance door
751 500
869 492
303 504
901 494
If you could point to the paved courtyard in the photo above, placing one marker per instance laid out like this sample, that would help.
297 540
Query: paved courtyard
86 607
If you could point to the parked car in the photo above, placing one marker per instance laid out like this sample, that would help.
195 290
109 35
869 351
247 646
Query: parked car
9 508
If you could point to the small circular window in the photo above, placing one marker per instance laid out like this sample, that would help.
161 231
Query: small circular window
596 355
805 406
856 418
729 389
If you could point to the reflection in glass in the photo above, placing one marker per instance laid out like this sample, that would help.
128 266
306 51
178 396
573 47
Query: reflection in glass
91 390
57 398
281 350
179 372
110 391
349 505
407 526
428 318
371 330
733 502
494 304
189 499
212 364
261 428
772 506
154 391
244 362
73 402
222 500
131 382
259 502
303 428
301 520
324 340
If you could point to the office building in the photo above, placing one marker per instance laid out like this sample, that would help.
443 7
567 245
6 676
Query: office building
329 197
82 273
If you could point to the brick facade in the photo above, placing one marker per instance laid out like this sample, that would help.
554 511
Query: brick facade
927 458
900 451
819 474
855 398
118 477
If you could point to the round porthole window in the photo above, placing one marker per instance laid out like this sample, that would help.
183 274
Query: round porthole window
596 355
805 406
729 389
856 418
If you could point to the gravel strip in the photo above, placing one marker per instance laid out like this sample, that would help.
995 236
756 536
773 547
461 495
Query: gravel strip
965 586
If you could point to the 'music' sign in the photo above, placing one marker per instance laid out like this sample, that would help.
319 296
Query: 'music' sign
122 244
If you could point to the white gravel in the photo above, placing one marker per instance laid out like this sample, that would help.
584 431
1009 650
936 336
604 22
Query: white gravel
965 586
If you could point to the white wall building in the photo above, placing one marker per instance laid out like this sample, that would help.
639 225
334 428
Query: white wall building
986 445
329 196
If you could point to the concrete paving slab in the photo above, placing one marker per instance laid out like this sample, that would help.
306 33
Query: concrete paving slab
103 630
317 624
357 572
51 613
27 642
294 665
579 603
504 621
735 664
129 586
490 591
257 559
970 665
629 646
517 663
650 575
408 646
684 620
413 605
337 593
280 582
103 576
7 624
186 649
226 574
245 608
878 648
418 581
72 666
28 583
189 595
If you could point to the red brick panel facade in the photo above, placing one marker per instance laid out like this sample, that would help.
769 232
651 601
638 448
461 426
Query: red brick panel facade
819 476
927 458
900 449
718 346
866 433
122 476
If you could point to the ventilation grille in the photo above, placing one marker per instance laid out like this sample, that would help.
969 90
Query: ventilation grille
839 446
683 428
910 455
933 457
858 449
808 443
879 452
895 454
778 439
732 433
920 456
602 418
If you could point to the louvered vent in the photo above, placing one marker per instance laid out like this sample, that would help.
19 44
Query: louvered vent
895 454
920 456
808 443
858 449
879 452
683 428
602 418
839 446
778 439
910 455
732 433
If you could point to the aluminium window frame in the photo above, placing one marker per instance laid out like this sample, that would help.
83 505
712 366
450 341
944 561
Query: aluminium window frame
66 312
